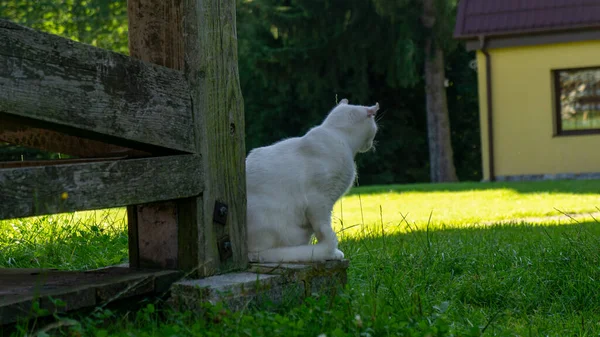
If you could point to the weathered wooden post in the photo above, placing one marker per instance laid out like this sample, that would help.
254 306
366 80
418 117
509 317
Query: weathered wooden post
205 233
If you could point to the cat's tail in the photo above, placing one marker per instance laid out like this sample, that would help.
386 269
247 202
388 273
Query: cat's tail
303 253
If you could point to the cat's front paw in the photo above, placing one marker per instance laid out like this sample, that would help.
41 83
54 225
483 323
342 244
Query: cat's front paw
337 255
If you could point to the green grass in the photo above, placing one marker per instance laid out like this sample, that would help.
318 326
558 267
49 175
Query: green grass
463 204
520 278
75 241
454 275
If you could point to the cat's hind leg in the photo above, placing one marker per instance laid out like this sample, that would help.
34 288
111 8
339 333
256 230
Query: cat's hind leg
303 253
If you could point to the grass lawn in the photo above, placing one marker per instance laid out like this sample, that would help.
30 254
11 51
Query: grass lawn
466 204
424 260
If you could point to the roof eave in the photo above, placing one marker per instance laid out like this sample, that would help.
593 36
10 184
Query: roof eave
461 36
530 38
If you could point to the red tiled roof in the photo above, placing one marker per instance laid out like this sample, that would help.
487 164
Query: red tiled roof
506 17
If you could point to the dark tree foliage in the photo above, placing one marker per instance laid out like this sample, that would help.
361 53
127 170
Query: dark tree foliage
296 58
101 23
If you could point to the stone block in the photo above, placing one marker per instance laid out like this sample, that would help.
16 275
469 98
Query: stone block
262 284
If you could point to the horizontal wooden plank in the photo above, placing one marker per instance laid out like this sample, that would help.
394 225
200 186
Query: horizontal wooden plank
56 80
19 288
51 162
65 188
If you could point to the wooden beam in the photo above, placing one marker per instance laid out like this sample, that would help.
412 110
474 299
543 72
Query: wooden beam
19 133
20 288
51 162
156 32
73 187
202 36
218 109
65 83
163 234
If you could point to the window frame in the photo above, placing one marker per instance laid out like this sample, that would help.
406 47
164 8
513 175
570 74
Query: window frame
558 131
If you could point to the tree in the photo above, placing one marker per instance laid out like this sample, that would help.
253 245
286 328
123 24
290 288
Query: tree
101 23
432 32
438 124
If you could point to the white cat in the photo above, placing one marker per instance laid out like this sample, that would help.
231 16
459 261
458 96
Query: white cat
293 185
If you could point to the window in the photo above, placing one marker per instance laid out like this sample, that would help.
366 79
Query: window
577 94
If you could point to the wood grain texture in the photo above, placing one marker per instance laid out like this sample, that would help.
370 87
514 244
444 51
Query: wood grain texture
202 36
218 109
157 235
66 83
161 235
51 162
156 31
19 288
40 190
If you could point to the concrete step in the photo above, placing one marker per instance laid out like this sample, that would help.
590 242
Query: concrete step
261 283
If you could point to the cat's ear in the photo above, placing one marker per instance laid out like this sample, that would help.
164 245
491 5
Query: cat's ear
343 101
372 110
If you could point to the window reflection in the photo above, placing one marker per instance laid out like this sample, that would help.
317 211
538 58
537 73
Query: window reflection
579 97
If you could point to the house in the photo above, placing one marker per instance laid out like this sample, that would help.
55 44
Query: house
538 64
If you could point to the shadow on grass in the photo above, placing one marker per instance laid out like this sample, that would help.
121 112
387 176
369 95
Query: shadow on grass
520 270
556 186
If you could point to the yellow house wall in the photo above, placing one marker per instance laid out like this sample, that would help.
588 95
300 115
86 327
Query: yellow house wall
523 111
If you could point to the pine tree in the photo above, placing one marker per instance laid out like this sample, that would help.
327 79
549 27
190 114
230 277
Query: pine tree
428 23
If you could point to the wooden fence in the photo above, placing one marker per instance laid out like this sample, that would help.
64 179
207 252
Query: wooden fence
161 132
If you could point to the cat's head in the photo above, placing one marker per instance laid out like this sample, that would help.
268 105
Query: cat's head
357 121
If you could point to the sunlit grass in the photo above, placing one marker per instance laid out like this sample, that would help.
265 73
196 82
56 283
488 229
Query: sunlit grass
464 204
80 240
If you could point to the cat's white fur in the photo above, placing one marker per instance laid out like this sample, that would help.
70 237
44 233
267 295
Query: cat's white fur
293 185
